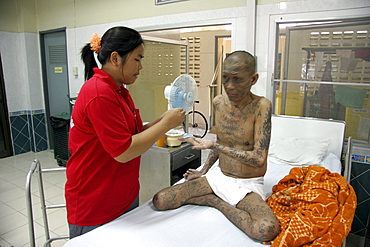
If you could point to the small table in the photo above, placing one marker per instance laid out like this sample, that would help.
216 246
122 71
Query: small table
162 167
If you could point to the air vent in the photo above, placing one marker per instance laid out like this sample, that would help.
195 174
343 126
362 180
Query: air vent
57 54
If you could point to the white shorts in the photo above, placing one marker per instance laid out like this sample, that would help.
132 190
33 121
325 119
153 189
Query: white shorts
233 190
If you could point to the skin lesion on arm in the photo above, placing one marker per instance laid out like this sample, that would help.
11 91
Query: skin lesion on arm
266 129
250 158
212 158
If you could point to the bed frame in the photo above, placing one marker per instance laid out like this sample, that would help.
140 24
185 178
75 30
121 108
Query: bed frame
193 225
310 128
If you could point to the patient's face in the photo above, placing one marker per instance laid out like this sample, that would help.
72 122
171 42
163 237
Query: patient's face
237 80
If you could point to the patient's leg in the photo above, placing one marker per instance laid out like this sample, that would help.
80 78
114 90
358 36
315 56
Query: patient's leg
177 195
251 215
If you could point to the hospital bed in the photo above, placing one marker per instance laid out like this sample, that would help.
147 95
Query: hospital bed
190 225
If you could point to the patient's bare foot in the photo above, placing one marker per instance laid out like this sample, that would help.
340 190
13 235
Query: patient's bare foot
192 174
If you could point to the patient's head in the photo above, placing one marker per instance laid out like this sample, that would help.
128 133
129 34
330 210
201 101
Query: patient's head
244 57
239 75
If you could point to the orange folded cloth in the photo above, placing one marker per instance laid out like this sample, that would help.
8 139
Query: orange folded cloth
314 207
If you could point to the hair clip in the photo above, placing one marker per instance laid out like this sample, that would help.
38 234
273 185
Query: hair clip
95 43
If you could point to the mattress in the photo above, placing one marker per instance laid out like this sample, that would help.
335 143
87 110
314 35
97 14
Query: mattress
187 226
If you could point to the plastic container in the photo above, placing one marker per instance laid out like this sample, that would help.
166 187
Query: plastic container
172 137
161 142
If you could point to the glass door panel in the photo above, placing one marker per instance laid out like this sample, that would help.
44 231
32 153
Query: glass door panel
323 70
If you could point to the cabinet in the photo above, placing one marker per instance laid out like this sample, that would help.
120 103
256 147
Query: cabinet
162 167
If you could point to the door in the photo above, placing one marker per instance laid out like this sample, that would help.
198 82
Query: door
5 138
55 75
222 49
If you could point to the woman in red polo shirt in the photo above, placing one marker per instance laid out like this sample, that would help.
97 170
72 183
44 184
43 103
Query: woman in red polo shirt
107 136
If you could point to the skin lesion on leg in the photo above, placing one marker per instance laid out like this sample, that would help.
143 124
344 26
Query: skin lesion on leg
177 195
252 215
262 224
169 198
210 200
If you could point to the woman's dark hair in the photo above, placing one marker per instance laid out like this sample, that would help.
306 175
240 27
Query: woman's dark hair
120 39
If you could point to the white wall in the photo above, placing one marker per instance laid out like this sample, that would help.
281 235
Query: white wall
21 59
236 16
21 67
33 72
267 16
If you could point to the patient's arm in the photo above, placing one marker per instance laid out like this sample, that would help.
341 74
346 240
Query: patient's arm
254 155
193 173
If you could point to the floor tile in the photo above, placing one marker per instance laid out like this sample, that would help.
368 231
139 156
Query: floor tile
11 222
4 243
17 236
17 204
12 194
6 185
5 210
14 228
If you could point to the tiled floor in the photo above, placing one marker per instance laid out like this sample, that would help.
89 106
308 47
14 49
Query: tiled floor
14 229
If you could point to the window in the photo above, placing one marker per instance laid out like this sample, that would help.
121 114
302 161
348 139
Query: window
323 70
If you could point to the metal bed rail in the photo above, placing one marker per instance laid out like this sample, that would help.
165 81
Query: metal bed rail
36 167
348 167
348 160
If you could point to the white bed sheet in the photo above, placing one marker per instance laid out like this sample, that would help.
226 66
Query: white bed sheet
202 226
187 226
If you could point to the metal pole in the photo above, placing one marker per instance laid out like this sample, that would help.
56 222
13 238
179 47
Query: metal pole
31 228
43 204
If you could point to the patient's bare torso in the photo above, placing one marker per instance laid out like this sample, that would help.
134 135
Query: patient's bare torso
236 129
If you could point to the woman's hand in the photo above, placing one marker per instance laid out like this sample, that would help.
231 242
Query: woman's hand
198 143
173 117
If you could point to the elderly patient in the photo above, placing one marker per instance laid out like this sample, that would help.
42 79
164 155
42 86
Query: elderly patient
235 184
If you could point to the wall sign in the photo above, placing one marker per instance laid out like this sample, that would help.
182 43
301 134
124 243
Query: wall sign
58 70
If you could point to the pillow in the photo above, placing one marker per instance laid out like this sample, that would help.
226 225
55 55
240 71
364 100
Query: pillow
295 151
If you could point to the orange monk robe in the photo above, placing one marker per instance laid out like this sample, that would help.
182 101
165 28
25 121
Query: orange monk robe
314 207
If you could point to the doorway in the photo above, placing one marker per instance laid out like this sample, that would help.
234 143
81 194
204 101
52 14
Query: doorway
222 49
202 43
55 76
165 59
5 137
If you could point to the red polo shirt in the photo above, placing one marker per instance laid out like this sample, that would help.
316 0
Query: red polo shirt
104 118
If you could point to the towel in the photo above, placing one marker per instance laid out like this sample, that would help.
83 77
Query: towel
314 207
363 54
350 96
